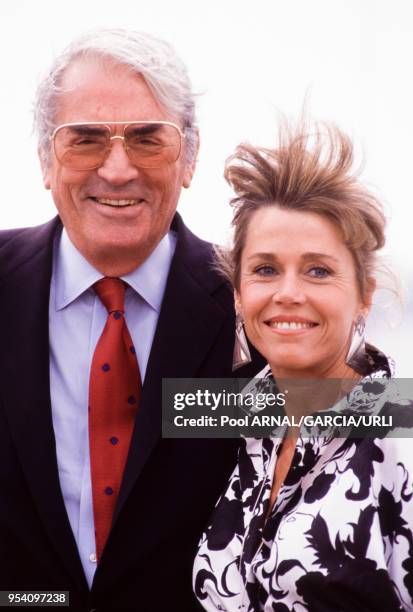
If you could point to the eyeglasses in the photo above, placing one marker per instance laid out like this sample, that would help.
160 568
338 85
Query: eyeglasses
85 146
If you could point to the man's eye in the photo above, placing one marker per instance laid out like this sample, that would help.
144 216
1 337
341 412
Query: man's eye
144 142
85 142
265 271
319 272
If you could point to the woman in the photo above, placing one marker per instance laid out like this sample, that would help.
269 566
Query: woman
310 523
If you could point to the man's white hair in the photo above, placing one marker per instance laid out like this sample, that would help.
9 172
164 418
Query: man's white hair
153 58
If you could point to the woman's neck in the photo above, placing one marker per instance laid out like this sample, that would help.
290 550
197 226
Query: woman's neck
308 394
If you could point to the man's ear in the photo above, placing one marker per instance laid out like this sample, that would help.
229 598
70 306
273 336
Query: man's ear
191 165
45 166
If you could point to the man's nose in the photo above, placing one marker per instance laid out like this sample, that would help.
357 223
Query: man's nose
289 290
117 168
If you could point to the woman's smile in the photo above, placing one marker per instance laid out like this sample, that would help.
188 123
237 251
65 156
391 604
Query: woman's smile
290 325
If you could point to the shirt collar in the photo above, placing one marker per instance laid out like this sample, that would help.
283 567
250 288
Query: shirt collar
73 274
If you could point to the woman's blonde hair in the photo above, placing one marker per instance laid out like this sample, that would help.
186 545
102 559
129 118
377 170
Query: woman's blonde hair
309 171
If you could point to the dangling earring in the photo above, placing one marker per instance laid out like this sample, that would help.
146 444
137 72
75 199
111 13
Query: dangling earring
242 354
356 355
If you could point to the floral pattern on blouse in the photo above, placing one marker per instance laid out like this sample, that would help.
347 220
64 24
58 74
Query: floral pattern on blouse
340 534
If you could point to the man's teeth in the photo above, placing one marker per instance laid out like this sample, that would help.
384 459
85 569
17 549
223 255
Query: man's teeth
290 325
117 202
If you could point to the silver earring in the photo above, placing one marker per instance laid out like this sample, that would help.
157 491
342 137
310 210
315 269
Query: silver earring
242 354
356 355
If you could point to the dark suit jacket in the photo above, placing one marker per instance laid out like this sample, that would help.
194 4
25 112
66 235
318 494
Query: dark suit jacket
169 487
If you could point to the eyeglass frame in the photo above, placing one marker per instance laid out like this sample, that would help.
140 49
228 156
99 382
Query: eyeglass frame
52 137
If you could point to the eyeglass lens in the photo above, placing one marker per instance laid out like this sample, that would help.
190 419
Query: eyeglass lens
148 145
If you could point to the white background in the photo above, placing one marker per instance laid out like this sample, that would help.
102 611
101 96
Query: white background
250 61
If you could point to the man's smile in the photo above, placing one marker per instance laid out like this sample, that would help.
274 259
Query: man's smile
117 202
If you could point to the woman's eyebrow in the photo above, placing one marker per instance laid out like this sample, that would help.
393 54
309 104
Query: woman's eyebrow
314 255
305 256
270 256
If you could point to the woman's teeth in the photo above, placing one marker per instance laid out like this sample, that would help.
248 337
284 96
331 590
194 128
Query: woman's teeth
290 325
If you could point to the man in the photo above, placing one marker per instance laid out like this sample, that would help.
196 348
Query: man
117 142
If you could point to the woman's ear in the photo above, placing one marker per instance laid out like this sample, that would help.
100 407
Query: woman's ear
237 302
368 295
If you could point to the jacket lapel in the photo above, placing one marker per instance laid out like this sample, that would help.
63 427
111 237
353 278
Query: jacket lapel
26 267
189 322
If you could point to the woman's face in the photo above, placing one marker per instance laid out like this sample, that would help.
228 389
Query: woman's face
298 293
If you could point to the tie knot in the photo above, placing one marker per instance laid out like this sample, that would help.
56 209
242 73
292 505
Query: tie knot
111 292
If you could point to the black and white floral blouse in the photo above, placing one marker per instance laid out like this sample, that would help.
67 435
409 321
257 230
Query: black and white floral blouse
340 534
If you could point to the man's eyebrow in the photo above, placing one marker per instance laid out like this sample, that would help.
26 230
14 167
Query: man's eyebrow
88 130
148 128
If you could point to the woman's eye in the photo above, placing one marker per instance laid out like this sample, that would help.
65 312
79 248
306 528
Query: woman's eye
319 272
265 271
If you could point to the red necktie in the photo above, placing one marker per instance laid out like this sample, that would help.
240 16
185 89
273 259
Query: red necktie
114 392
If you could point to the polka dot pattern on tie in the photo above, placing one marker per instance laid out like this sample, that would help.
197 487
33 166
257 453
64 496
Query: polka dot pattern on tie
114 393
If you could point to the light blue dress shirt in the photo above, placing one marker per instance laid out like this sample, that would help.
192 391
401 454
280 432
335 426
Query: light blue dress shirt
76 320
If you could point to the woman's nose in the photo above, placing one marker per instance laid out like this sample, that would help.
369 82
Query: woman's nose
289 290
